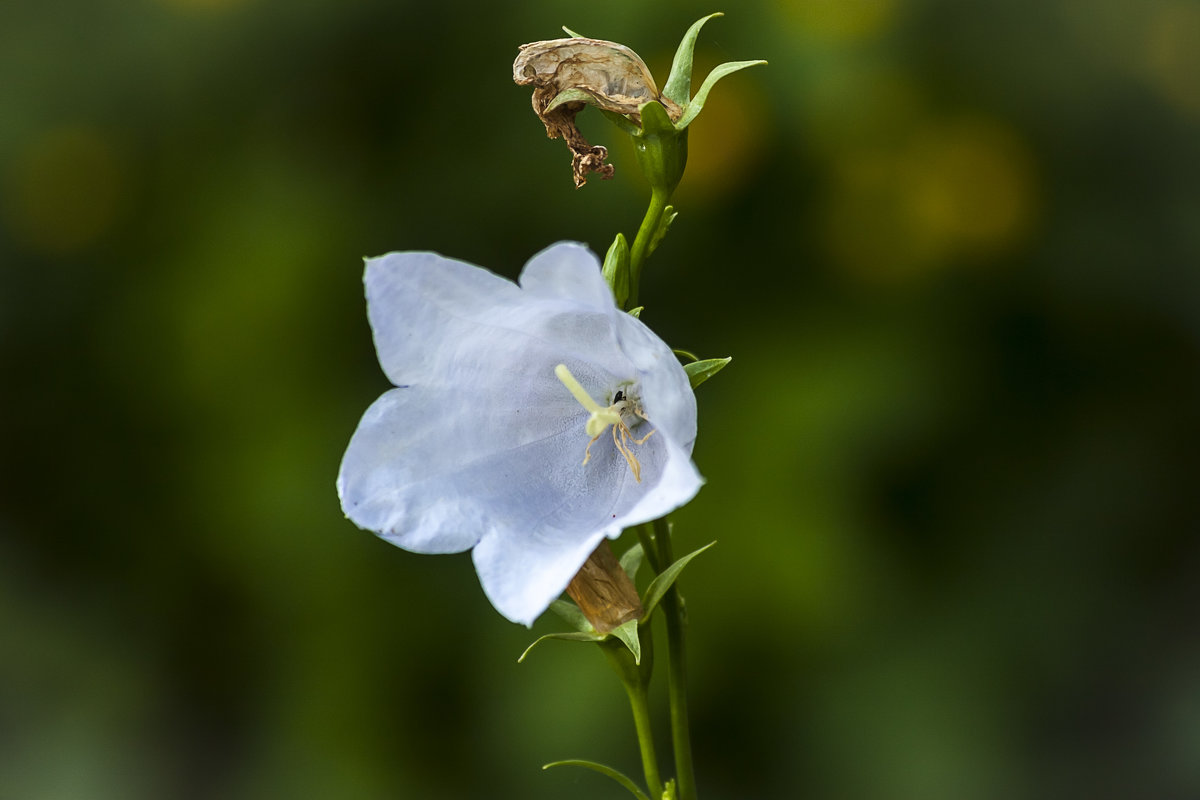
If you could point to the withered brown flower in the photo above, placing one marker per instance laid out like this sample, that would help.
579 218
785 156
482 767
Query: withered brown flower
568 74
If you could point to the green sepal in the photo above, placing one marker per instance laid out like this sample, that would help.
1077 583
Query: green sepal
697 103
679 82
636 313
628 634
603 770
700 371
572 636
655 121
631 560
572 33
664 224
572 615
686 356
616 269
570 96
659 586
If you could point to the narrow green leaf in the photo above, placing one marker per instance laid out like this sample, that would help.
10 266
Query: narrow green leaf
669 215
659 586
694 107
572 33
575 636
679 82
636 313
628 633
570 96
631 560
685 356
616 269
603 770
621 121
572 615
700 371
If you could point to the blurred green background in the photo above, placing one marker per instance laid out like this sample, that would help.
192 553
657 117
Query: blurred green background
952 246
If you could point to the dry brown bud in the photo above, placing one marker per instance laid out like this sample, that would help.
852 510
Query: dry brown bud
604 592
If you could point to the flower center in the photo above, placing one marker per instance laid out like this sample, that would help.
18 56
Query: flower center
602 419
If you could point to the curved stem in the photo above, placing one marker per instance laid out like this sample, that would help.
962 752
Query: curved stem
641 243
676 615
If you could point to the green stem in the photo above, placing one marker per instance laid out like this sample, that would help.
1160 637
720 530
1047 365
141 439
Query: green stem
645 534
641 243
635 681
641 720
676 615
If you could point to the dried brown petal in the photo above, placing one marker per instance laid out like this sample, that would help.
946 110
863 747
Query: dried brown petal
605 74
611 73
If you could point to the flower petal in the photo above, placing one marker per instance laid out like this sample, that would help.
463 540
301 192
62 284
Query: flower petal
428 311
667 397
480 445
523 568
420 305
569 271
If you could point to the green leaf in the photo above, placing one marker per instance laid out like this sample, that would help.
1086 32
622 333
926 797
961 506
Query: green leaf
636 313
679 82
631 560
664 224
628 633
692 109
616 269
685 356
572 615
572 33
570 96
603 770
621 121
659 586
700 371
574 636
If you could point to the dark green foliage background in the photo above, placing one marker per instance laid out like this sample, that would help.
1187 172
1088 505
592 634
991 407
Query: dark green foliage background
952 247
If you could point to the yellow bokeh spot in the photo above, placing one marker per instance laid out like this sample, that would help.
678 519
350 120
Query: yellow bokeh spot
839 20
727 139
952 191
1173 54
970 184
203 5
64 191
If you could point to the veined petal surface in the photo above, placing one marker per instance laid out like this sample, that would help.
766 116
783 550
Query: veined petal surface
481 446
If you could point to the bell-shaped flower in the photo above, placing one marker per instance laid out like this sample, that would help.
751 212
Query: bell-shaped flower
528 422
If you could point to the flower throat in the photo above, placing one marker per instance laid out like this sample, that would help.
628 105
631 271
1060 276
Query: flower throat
602 419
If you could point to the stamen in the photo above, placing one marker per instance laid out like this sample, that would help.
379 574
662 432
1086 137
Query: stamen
601 418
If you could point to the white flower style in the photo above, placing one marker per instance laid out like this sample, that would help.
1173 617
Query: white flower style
527 422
